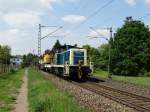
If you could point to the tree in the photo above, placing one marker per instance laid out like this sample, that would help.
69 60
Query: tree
29 59
104 56
5 54
56 46
93 55
131 49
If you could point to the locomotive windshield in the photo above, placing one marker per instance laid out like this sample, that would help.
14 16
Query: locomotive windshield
78 56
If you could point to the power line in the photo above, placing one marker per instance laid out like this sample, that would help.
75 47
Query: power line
95 13
40 36
77 9
81 6
52 32
140 18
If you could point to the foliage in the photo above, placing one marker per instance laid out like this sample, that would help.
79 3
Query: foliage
99 56
5 54
93 55
45 97
104 56
29 59
56 46
147 74
131 49
9 85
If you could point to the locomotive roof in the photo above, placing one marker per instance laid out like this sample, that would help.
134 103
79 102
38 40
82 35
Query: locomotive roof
67 47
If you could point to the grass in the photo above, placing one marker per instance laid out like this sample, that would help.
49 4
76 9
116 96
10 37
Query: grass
45 97
135 80
9 85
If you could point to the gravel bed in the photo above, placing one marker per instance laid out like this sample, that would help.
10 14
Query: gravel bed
141 90
88 99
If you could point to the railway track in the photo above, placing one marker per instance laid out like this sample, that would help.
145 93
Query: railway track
137 102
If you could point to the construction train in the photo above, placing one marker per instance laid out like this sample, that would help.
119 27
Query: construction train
67 61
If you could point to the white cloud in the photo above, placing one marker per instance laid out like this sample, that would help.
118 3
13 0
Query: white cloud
18 5
26 13
134 2
99 33
147 1
16 39
73 18
131 2
21 20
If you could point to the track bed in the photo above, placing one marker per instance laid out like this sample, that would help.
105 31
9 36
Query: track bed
137 102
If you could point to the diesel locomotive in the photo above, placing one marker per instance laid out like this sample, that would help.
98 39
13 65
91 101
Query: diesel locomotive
67 61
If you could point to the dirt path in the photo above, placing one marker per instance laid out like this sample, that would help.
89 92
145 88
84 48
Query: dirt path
22 104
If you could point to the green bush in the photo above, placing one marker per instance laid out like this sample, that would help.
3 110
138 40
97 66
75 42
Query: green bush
12 70
147 74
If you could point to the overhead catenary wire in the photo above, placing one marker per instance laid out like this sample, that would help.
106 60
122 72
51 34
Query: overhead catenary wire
81 6
52 32
95 13
99 32
77 9
140 18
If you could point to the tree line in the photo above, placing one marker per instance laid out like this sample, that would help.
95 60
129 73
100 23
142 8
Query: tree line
29 60
130 50
5 54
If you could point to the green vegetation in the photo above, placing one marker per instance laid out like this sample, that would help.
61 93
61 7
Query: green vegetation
56 46
131 79
4 54
44 97
9 85
131 49
93 55
29 60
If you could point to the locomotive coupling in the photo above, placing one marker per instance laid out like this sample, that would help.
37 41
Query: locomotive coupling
80 63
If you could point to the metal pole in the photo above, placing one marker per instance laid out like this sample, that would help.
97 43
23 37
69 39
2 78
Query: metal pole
109 74
39 40
110 29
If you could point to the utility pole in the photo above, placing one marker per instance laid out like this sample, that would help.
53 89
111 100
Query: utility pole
109 74
100 36
40 35
39 40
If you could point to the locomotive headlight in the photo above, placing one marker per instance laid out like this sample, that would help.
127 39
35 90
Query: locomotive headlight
80 62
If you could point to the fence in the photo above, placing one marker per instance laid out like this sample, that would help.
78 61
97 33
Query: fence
5 68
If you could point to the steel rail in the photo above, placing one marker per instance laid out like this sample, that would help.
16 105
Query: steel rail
137 102
129 99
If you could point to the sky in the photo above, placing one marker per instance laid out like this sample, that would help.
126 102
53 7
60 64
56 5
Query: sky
19 20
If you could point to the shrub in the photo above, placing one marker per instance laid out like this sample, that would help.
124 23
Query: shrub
147 74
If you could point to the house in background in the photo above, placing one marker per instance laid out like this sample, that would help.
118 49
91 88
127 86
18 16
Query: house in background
16 60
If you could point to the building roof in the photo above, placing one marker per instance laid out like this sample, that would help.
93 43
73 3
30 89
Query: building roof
17 56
